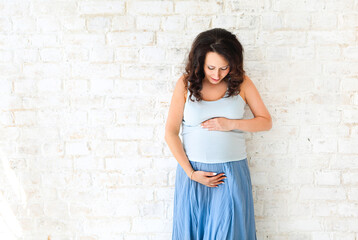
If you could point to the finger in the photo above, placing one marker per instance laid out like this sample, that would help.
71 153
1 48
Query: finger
212 185
219 177
211 174
217 182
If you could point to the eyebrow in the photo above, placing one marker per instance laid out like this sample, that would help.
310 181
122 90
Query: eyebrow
220 67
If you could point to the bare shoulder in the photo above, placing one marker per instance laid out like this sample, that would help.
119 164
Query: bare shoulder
246 84
181 83
176 107
180 90
253 99
183 86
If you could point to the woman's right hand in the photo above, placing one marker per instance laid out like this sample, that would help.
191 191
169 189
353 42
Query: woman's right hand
208 178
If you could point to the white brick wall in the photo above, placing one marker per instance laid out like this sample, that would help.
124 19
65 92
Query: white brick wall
85 89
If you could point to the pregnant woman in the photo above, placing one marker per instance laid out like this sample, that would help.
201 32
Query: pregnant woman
213 192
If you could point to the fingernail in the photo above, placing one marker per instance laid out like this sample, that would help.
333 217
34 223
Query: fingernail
214 173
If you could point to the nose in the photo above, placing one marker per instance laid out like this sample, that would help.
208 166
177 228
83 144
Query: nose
216 74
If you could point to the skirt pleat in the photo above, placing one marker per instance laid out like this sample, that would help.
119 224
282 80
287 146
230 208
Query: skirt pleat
210 213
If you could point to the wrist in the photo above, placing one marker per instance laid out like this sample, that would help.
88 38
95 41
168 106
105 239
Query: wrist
191 174
232 124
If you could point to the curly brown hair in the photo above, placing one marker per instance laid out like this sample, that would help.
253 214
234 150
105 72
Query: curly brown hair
224 43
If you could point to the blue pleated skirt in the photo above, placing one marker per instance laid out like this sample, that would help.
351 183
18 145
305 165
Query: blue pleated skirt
225 212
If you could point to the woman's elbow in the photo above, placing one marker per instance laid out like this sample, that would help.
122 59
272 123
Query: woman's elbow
170 133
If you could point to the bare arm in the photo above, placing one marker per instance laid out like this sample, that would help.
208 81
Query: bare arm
262 119
261 122
172 126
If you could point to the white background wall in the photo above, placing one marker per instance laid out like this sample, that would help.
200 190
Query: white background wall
85 89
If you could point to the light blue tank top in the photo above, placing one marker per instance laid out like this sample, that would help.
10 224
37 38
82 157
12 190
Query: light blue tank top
208 146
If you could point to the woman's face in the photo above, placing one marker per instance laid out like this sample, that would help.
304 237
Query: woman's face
215 67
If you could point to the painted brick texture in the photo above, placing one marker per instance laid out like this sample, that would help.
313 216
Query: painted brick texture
84 92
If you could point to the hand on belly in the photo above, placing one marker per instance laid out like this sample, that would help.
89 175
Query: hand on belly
217 124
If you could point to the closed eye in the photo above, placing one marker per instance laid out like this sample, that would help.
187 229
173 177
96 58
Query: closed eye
220 68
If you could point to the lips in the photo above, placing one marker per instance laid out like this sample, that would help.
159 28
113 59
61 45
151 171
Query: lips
215 79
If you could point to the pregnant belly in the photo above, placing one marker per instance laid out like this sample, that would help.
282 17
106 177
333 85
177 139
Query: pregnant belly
201 143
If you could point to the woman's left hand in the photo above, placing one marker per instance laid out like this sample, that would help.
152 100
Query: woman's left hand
217 124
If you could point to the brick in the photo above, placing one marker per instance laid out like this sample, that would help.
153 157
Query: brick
297 20
224 21
129 39
120 23
345 21
106 7
103 148
131 194
101 86
324 21
24 24
83 39
148 148
351 53
92 70
198 8
327 177
130 132
321 193
277 53
347 209
324 145
5 24
103 226
25 117
290 6
101 55
176 55
126 54
277 38
350 178
197 22
56 209
349 84
153 209
149 23
329 37
302 53
76 148
87 163
75 54
353 194
54 8
154 178
98 24
51 55
6 119
350 116
150 8
152 54
73 23
272 22
126 148
48 24
149 225
145 72
173 23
